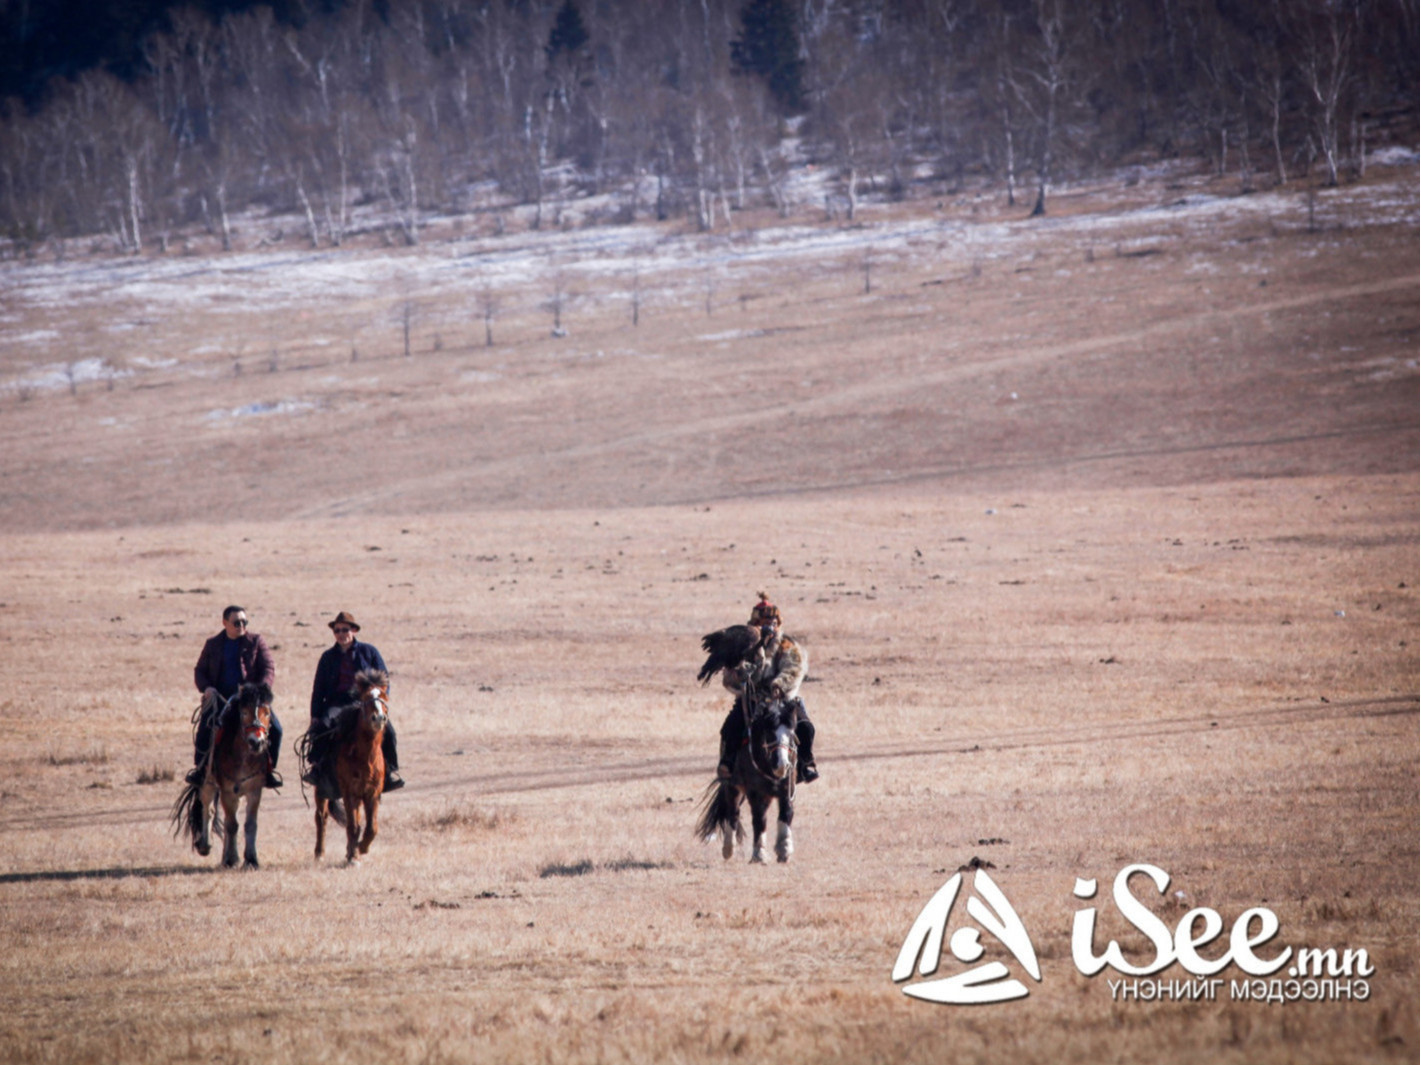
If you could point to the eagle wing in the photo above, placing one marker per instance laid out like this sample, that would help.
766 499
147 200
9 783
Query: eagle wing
727 649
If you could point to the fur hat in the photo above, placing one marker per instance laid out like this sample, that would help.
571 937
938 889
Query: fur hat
344 618
765 613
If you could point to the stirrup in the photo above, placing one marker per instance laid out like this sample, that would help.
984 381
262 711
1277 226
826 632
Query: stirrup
806 772
197 774
393 780
273 779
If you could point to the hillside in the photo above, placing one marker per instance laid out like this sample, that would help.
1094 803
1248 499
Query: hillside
1156 333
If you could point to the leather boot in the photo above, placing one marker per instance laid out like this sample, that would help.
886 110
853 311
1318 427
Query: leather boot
326 785
806 771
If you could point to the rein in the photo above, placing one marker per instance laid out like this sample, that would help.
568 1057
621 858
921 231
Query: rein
218 711
750 742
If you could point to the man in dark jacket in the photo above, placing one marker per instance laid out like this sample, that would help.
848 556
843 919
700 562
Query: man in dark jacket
235 656
335 678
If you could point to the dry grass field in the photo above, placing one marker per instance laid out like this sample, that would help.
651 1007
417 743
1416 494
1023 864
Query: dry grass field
1101 532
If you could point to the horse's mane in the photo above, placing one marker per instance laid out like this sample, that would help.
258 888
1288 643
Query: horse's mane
257 694
370 678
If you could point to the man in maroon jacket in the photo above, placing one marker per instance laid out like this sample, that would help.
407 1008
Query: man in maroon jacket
230 659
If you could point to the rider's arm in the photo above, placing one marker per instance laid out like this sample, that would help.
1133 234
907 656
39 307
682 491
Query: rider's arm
200 675
377 661
792 664
320 687
263 668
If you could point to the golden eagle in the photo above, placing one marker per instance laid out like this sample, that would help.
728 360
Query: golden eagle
727 649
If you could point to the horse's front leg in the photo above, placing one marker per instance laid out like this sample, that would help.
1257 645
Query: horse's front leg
784 838
249 827
323 809
759 805
230 799
352 827
372 810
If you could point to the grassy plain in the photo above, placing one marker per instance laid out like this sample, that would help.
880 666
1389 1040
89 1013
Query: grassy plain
1101 533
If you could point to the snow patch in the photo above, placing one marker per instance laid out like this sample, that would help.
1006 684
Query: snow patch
252 410
57 375
734 334
1393 155
37 336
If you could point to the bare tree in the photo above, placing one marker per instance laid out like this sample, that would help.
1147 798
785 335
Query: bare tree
489 305
636 292
1271 86
1327 38
558 299
1049 73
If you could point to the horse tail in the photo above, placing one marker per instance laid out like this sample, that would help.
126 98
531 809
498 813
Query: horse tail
188 813
719 810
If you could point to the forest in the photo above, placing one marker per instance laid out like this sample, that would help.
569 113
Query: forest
133 122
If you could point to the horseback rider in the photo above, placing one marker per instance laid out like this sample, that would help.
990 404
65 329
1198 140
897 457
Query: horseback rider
235 656
335 679
778 665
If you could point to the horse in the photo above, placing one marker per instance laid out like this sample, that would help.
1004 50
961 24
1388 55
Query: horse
764 769
353 733
237 764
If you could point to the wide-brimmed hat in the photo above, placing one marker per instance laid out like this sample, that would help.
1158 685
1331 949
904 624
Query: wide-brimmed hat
345 619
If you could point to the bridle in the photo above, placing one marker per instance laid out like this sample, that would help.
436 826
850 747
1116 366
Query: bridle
257 731
380 707
783 741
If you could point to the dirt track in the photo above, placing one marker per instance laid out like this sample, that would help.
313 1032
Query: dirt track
516 781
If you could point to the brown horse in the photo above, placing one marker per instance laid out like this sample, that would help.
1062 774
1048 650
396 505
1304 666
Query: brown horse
236 768
357 763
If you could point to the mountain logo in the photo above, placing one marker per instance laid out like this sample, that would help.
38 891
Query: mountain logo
985 983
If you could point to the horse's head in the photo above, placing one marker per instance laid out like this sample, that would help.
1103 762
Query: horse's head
773 745
254 712
373 687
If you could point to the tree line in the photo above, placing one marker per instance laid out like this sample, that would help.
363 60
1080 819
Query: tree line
689 108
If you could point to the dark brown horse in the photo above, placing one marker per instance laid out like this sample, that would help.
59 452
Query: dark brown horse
763 770
354 735
236 768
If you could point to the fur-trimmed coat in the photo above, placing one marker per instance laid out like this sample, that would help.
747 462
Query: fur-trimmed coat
782 664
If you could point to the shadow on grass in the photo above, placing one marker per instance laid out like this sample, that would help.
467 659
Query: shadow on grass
557 869
106 874
621 865
585 866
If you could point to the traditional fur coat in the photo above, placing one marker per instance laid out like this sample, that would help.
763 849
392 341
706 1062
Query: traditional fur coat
781 664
